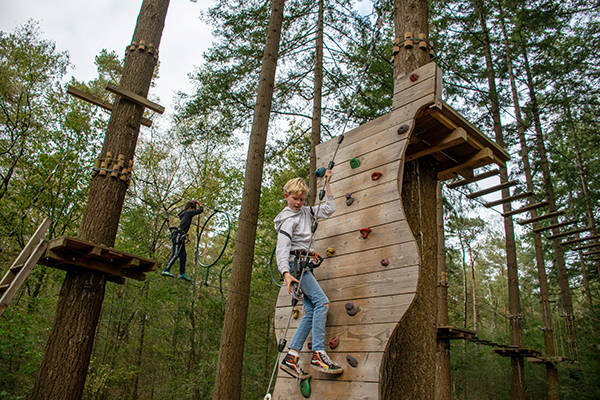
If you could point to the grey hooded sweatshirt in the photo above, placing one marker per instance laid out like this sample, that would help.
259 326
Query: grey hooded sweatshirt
294 230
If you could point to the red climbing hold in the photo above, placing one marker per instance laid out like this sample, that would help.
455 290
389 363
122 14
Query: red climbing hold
365 232
413 77
333 342
309 345
385 262
376 175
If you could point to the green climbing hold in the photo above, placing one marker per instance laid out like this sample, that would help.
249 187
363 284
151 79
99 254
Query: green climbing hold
354 163
305 387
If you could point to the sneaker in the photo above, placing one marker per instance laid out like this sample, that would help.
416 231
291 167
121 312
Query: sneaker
184 277
167 273
322 362
290 366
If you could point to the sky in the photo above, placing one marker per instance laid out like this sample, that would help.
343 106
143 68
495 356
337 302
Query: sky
83 28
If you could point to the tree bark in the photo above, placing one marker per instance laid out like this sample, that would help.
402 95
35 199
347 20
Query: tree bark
63 369
409 363
228 380
563 279
517 386
443 379
315 137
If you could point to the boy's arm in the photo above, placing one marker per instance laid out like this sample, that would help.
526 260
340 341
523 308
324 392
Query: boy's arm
328 208
282 255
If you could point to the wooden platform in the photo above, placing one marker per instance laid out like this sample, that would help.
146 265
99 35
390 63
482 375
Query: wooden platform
510 351
452 332
72 254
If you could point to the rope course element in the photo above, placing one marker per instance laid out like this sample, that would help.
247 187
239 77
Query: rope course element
204 231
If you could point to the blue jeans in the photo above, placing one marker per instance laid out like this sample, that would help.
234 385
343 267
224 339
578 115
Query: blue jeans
316 305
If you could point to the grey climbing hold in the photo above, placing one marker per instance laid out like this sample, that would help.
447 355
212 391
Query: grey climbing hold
351 360
403 129
349 199
351 309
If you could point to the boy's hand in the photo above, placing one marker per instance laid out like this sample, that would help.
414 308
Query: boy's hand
328 175
289 279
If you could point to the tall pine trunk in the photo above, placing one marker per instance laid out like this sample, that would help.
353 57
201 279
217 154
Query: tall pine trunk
563 279
315 137
443 379
547 330
64 367
517 386
228 380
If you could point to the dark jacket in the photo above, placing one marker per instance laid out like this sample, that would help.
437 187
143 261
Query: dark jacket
185 218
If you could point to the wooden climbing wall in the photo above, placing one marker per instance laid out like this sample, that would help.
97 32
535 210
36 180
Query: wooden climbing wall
355 272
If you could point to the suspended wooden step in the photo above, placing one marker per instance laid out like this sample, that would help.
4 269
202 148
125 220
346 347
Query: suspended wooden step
476 178
547 360
510 351
579 240
508 199
451 332
136 98
492 189
526 208
23 264
587 246
567 233
559 225
592 253
72 254
541 217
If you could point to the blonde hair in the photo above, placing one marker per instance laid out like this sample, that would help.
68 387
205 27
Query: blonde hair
295 186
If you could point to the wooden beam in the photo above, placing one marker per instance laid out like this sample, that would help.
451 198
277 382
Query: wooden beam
592 253
526 208
476 178
565 223
541 218
482 157
458 136
508 199
492 189
587 246
584 239
136 98
567 233
80 94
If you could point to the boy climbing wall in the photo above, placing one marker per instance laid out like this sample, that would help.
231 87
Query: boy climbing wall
293 225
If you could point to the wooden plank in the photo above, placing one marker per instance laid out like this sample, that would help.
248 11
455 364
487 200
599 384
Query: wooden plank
560 225
372 310
136 98
458 136
354 287
288 389
425 72
479 159
355 338
398 255
592 253
526 208
579 240
73 91
492 189
365 371
367 197
476 178
541 218
367 217
423 88
52 257
380 236
567 233
587 246
508 199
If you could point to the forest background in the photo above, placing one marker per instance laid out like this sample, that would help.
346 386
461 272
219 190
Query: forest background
159 339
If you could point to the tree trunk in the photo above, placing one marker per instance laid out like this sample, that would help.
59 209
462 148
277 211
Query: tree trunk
140 347
442 371
514 302
228 380
563 279
408 366
315 137
474 291
547 330
64 367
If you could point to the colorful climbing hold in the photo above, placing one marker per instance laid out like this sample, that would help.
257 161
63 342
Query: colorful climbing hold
349 199
351 360
351 309
305 387
334 342
403 129
330 251
295 313
385 262
309 345
354 163
365 232
320 172
376 175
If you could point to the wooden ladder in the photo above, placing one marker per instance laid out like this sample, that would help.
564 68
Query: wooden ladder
23 264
